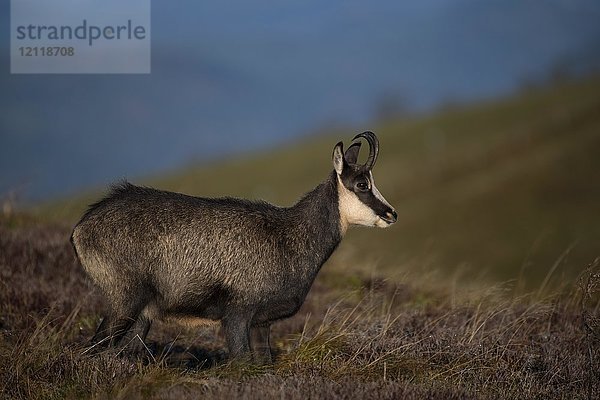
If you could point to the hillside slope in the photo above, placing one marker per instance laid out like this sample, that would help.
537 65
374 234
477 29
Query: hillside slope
507 188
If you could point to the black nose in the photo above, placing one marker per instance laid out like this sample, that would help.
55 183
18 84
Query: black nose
391 216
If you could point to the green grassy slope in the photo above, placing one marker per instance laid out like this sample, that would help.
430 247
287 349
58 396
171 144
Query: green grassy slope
502 188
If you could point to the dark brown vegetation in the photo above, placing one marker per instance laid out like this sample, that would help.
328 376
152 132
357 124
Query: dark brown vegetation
357 336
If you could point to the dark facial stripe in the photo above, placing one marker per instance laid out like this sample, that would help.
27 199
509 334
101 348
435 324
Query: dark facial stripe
369 199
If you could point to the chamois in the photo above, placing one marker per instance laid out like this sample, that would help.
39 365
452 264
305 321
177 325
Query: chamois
158 254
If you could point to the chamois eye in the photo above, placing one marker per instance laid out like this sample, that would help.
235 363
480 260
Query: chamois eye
362 186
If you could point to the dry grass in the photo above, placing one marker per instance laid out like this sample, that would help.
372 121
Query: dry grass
357 336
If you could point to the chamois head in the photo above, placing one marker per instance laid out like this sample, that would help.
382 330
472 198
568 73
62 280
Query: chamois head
360 202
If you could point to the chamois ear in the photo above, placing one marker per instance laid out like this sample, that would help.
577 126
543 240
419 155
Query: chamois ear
338 158
351 155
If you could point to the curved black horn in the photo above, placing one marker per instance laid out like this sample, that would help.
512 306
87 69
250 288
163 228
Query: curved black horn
373 147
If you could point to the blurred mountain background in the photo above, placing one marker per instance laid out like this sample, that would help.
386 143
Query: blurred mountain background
488 115
235 77
507 189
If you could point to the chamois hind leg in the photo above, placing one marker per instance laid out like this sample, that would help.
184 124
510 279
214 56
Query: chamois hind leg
146 325
116 324
101 337
261 344
140 332
112 329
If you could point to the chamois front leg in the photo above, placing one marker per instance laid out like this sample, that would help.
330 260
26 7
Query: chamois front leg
237 335
261 344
